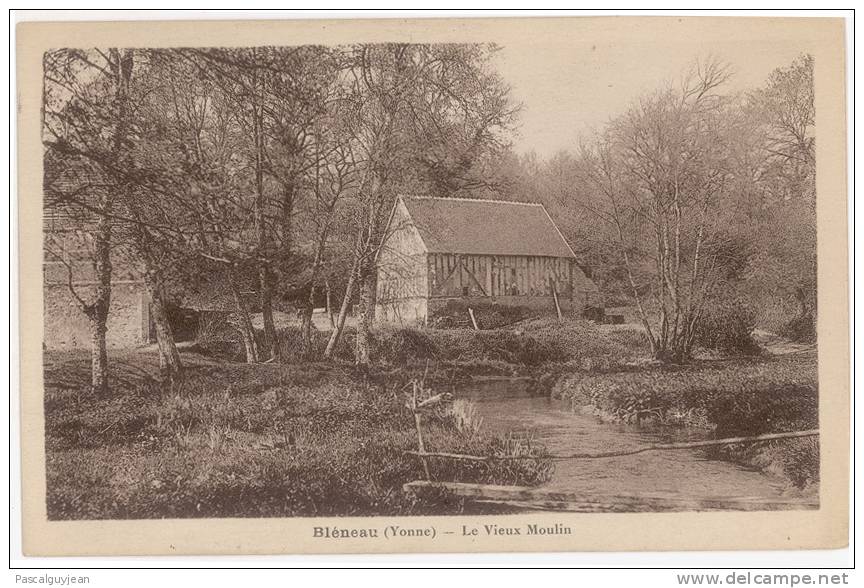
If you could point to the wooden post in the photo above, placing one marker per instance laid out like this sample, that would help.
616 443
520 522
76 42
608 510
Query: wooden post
420 444
555 298
473 319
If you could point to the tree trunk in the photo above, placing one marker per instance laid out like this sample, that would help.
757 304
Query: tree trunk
169 357
329 307
366 315
97 311
99 349
271 339
306 324
343 313
643 316
247 331
270 343
306 320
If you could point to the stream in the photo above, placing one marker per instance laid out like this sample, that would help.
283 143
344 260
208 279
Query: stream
505 405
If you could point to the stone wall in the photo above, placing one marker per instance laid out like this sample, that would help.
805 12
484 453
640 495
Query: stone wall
406 312
66 327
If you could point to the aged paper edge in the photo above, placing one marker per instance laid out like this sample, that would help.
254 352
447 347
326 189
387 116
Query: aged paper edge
823 528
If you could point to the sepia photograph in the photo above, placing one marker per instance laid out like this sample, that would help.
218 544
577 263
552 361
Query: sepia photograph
480 275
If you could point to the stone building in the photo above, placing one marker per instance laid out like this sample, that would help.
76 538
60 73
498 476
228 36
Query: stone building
67 261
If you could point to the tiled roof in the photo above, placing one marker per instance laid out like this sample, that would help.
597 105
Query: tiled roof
485 227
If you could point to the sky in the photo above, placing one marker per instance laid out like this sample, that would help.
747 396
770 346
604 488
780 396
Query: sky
569 87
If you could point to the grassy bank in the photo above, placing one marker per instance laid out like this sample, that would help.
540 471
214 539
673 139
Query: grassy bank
517 348
310 438
730 398
231 440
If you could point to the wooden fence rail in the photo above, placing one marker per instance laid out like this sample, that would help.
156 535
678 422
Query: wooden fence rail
575 501
621 453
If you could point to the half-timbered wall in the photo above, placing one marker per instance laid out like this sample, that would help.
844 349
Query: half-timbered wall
460 275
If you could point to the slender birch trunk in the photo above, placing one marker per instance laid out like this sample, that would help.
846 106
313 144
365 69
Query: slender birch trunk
98 316
247 331
97 312
343 312
169 357
306 322
265 282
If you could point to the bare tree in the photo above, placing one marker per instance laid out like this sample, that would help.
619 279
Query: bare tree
279 94
408 101
662 171
782 184
86 123
332 178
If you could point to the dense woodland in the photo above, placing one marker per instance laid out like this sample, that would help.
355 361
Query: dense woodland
273 170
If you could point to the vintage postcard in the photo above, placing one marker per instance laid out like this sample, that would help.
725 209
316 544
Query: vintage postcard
433 285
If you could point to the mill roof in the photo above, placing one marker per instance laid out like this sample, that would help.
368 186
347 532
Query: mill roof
485 227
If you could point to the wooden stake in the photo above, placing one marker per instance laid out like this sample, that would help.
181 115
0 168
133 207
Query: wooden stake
420 443
555 298
473 320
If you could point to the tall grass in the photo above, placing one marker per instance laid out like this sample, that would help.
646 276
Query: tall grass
465 416
252 441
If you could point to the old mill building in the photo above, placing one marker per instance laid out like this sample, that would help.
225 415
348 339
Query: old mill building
437 250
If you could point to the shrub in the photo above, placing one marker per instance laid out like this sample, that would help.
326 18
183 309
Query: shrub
533 343
629 338
402 346
726 326
799 459
214 326
748 398
516 347
585 345
801 329
489 315
466 345
292 347
744 399
217 337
